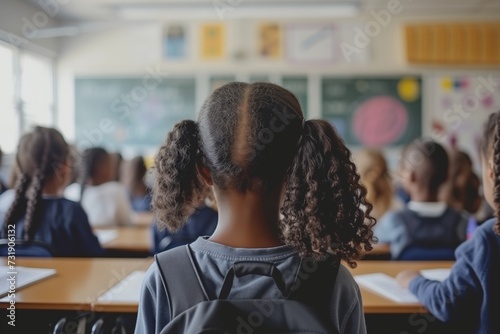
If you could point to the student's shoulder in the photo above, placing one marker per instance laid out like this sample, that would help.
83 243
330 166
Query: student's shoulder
112 187
68 206
395 216
6 199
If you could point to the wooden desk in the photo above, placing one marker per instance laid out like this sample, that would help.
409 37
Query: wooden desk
130 239
376 304
76 285
121 307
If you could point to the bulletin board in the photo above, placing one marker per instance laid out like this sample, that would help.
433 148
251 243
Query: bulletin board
460 106
124 113
374 112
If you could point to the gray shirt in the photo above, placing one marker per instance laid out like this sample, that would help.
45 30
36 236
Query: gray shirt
214 260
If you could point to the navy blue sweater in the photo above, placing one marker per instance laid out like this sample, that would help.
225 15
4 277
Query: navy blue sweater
63 225
469 298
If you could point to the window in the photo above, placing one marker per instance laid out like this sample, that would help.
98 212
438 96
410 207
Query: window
9 122
26 94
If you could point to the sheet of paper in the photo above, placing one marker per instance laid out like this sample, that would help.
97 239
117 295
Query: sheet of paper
387 287
127 290
106 236
439 274
21 276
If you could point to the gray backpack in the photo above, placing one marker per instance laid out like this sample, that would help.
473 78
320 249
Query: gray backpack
306 310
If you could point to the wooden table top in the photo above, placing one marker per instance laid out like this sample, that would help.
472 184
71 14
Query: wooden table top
374 303
130 239
77 283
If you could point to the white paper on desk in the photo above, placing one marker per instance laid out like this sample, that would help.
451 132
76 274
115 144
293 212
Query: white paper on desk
387 287
436 274
106 236
23 276
127 290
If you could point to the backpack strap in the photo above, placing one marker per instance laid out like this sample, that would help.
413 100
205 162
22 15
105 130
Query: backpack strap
180 279
314 284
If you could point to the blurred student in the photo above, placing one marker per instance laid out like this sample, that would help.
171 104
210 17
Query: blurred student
426 229
461 190
105 200
117 163
469 299
201 223
133 176
3 187
304 171
374 173
35 208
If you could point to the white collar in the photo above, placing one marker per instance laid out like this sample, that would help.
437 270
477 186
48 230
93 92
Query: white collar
428 209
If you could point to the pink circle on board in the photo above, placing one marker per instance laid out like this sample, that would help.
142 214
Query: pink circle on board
380 121
488 100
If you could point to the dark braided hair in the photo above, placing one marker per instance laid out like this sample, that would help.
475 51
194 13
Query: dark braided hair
90 160
253 137
37 155
490 149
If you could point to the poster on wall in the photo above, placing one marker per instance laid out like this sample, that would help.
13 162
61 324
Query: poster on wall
312 43
374 112
460 106
213 41
270 40
175 43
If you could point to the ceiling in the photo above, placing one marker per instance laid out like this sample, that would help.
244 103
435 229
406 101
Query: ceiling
118 10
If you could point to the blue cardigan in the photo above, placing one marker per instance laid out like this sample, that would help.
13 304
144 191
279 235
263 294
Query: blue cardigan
468 298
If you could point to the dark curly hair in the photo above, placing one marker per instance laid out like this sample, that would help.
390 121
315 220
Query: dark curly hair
39 155
253 137
490 149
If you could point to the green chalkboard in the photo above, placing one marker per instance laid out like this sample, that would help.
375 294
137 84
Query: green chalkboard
376 112
132 113
298 86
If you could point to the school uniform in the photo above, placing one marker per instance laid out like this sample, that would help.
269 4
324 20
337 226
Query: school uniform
214 260
422 224
470 298
141 203
63 225
106 204
201 223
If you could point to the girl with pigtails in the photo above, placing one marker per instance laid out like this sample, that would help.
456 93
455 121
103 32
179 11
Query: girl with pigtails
35 208
469 299
286 190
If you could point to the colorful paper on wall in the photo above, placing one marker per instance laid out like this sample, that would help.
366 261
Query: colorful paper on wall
213 40
270 40
175 43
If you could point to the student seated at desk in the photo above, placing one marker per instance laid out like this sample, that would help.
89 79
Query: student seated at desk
469 299
302 170
202 222
133 176
36 208
105 201
426 229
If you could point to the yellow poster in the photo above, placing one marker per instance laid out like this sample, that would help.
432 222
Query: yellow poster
213 40
270 40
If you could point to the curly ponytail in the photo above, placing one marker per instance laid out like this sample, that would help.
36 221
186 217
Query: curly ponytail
323 206
178 185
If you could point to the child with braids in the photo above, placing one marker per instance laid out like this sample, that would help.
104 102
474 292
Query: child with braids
104 199
35 206
469 299
286 189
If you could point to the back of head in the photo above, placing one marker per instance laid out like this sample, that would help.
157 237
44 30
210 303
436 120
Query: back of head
429 161
40 154
92 166
253 138
134 174
374 174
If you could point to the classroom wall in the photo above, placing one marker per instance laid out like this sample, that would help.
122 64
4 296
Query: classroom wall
128 50
19 22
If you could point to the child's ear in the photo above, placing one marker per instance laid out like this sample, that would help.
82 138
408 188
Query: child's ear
205 174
